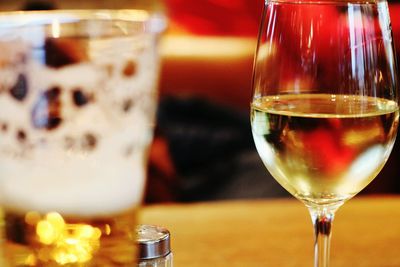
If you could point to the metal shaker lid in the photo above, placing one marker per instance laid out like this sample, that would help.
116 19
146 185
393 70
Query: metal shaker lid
153 241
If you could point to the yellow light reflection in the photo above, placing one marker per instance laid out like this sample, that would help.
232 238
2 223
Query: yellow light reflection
66 243
30 260
46 232
108 229
363 136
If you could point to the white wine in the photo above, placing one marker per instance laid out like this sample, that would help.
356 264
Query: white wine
324 148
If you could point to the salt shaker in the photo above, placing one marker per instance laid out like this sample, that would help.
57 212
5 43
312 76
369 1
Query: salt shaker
154 246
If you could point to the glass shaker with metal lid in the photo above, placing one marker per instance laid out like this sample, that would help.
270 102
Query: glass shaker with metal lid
154 246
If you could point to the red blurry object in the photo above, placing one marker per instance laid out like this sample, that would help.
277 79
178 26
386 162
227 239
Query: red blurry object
216 17
323 27
236 17
329 154
394 10
228 79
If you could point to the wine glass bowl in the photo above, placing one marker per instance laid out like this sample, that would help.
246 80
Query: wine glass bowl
318 148
324 112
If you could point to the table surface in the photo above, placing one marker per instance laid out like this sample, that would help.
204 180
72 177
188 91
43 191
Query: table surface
366 232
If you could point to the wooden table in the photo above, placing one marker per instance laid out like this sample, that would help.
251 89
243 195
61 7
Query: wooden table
366 233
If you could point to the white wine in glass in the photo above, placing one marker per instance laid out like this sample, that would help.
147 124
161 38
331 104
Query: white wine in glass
324 112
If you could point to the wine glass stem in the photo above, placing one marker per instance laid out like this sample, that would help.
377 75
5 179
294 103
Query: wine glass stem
322 219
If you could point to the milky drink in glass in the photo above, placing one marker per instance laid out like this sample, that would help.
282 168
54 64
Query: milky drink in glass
77 101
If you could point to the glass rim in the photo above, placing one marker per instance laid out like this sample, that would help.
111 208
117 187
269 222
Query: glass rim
15 19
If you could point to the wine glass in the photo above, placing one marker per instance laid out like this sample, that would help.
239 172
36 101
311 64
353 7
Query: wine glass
324 112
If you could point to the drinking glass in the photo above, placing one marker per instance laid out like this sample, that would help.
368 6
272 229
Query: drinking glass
77 108
324 112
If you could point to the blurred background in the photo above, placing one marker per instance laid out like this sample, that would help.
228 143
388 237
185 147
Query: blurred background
203 149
